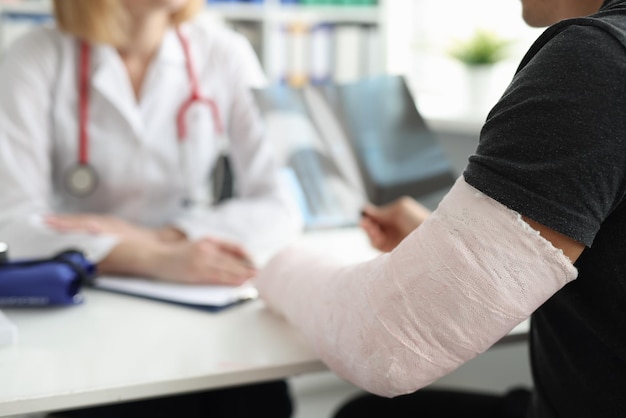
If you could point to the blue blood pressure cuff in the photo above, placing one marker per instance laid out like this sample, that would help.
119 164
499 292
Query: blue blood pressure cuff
40 282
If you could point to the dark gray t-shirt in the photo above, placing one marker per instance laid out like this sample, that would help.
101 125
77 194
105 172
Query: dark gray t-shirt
554 150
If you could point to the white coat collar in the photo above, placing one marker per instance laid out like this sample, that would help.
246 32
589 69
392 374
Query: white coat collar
171 50
110 79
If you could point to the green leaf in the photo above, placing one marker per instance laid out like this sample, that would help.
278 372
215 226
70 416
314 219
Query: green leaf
482 48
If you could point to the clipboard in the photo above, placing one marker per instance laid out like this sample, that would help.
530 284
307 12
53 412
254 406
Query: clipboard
210 298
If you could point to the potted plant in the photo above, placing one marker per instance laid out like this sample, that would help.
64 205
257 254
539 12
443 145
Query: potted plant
483 48
479 54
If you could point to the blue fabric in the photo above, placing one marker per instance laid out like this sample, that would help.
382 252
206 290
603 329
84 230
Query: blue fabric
54 281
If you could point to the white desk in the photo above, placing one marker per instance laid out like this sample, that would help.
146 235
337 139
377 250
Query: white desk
116 348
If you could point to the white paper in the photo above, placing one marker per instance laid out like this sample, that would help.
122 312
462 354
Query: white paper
199 295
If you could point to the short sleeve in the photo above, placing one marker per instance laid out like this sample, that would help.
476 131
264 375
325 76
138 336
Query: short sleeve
554 147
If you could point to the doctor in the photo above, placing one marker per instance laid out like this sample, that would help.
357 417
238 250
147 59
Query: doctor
110 126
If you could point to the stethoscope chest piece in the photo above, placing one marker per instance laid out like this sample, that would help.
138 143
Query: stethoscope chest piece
81 180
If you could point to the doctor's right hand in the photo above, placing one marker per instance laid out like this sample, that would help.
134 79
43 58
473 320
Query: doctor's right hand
207 261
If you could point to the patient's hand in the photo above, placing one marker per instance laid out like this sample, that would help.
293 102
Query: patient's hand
387 225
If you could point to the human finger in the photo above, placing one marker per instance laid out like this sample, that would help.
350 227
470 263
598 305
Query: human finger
237 251
375 234
372 212
73 223
230 272
369 227
228 248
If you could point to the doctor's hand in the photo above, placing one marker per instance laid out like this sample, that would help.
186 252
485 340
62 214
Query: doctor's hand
207 261
99 224
386 226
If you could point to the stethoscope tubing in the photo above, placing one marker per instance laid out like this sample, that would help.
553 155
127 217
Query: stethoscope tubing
82 179
83 88
195 94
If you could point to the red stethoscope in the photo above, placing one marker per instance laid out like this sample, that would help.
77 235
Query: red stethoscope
81 180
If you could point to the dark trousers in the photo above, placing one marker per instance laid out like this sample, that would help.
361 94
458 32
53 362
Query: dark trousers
431 403
260 400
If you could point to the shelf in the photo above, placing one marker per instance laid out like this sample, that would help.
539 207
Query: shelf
264 25
252 12
40 7
367 15
364 15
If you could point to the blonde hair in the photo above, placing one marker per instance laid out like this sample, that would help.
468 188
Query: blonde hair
105 21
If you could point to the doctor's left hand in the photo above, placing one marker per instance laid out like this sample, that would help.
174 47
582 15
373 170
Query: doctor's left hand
99 224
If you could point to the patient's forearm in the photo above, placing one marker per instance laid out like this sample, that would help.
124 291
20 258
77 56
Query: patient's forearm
451 289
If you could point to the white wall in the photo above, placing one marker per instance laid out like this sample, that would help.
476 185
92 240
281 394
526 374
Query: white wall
439 81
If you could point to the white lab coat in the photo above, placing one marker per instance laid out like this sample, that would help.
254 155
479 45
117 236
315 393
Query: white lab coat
133 145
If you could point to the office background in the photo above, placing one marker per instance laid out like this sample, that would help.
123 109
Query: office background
308 42
300 41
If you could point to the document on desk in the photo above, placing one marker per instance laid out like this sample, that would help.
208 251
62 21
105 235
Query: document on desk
207 297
